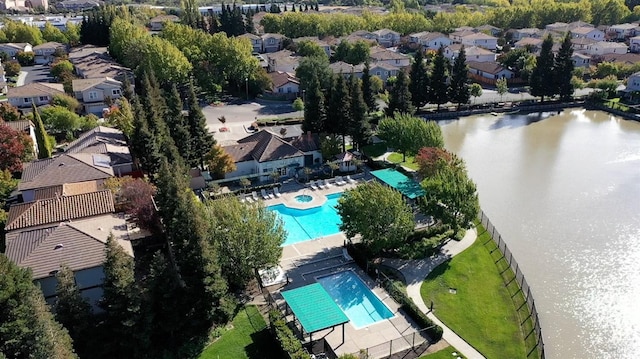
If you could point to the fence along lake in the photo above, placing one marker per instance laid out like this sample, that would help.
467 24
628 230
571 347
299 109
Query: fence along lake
563 189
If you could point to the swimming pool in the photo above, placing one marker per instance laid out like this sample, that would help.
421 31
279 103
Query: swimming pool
307 224
355 299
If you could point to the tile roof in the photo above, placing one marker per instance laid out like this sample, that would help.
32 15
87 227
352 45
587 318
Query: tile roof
280 78
487 67
85 84
306 142
387 55
15 45
529 41
96 63
35 89
582 41
476 50
628 58
262 146
431 36
63 169
48 45
345 68
79 245
383 32
67 189
583 30
251 36
610 45
21 125
383 65
93 141
478 36
59 209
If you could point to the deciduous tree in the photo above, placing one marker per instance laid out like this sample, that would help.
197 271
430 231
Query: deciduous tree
378 214
15 148
475 90
408 134
219 162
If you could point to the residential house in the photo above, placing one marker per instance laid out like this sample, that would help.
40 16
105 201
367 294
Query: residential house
387 38
519 34
12 48
67 230
622 59
559 27
80 5
282 61
474 53
284 84
481 40
256 41
3 81
634 44
265 152
530 43
83 172
94 62
383 70
94 93
40 93
389 57
606 47
488 72
360 35
157 23
363 34
345 161
457 36
430 40
24 126
272 42
464 28
575 24
580 60
105 141
581 44
44 53
323 45
622 31
346 69
489 30
19 5
633 82
588 32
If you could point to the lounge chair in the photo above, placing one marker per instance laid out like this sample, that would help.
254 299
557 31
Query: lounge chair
276 192
264 194
255 197
326 183
248 198
339 181
271 195
313 185
242 199
350 180
321 184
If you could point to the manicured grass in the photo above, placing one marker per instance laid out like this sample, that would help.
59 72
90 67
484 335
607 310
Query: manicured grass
375 150
397 158
249 338
446 353
482 310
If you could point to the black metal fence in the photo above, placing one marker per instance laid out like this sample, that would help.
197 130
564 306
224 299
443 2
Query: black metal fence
516 276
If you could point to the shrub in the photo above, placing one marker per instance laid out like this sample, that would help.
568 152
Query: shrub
298 105
288 341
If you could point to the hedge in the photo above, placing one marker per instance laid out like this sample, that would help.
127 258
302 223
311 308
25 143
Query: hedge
359 254
288 341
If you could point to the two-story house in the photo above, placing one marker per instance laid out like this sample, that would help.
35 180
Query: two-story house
519 34
488 72
580 60
623 31
94 93
383 70
283 61
272 42
387 38
473 53
531 43
12 48
430 40
588 32
346 69
634 44
40 93
389 57
633 82
256 41
489 30
44 53
606 47
481 40
284 84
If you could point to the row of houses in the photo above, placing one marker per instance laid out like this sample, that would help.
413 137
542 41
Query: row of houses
43 53
65 214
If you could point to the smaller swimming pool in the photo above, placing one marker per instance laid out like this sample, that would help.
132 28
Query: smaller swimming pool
354 297
303 198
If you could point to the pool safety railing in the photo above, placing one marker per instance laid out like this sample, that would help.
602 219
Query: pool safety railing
408 346
522 295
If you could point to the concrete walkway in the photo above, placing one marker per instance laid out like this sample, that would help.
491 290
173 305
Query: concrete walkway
21 77
415 271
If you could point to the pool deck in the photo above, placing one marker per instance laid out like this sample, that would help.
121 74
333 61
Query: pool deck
304 261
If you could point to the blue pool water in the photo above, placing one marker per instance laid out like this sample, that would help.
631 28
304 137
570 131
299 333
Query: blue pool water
355 299
307 224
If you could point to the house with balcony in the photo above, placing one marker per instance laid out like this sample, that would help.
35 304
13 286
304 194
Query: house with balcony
44 53
95 94
38 93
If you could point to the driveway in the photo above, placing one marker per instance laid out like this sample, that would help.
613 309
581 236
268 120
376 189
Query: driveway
37 73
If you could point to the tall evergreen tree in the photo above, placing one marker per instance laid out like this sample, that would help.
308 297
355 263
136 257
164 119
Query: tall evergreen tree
190 14
400 96
27 327
42 138
563 69
367 91
541 83
419 85
314 108
72 310
358 124
144 145
127 90
201 139
439 75
249 27
459 89
339 112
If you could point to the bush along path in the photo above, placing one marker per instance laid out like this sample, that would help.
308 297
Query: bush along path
415 271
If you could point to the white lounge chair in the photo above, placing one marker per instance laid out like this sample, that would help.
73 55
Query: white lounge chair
327 184
255 196
350 180
264 194
248 198
313 185
242 199
271 196
339 181
321 184
276 192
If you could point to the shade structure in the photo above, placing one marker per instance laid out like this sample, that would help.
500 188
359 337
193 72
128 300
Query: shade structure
397 180
314 308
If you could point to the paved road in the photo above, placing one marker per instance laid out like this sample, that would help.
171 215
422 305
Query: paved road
37 73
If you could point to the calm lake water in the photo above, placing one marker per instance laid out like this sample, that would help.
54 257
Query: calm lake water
564 192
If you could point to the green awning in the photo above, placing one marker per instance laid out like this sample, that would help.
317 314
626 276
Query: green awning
400 182
314 308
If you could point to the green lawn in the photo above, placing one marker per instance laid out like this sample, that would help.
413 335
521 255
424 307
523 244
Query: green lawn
249 338
482 310
397 158
375 150
446 353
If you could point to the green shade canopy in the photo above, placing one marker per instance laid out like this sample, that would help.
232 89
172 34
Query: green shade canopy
400 182
314 308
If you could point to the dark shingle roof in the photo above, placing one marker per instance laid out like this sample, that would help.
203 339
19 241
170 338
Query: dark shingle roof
59 209
262 146
62 169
